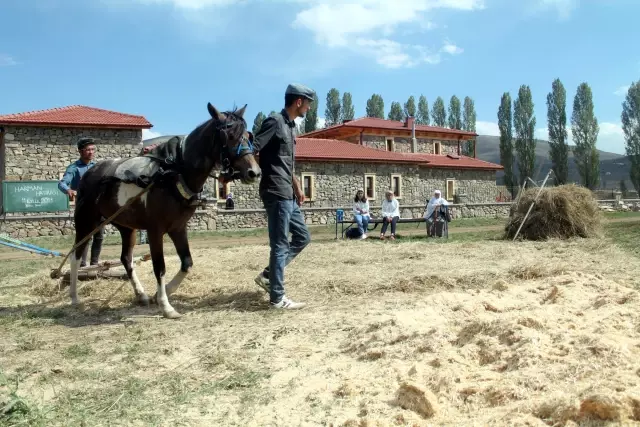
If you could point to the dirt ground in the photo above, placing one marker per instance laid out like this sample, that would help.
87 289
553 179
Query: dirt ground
410 334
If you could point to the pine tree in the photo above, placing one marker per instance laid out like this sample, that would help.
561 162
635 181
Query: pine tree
455 115
557 123
395 112
375 106
524 122
332 111
631 129
439 113
348 112
410 107
584 128
257 122
469 123
423 111
311 118
506 142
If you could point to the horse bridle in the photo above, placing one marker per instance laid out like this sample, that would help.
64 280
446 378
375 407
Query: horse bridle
227 157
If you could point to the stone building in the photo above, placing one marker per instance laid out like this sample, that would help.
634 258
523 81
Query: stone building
39 145
331 163
378 155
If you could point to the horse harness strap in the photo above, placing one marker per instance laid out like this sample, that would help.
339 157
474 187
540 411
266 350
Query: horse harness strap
173 168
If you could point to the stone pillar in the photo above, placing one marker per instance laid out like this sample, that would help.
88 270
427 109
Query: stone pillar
414 145
618 197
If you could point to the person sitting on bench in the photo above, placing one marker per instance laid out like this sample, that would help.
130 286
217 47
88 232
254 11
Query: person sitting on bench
390 215
361 212
433 205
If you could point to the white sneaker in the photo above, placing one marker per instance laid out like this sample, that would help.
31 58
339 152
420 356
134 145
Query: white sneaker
287 304
363 236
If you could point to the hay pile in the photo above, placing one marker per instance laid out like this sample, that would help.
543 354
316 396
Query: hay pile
560 212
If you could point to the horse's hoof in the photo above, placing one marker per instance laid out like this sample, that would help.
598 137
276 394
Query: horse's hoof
143 300
172 314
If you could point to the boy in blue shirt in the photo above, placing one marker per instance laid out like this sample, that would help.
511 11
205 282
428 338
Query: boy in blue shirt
69 186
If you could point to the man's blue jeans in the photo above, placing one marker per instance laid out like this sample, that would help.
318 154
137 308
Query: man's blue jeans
283 217
363 222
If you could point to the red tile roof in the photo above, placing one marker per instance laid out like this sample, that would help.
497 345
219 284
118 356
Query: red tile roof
375 123
316 149
77 115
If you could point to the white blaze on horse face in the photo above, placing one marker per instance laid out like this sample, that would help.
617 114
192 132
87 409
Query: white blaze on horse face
129 191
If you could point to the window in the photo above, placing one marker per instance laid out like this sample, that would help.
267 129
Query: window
221 190
451 189
308 183
390 144
370 186
436 147
396 185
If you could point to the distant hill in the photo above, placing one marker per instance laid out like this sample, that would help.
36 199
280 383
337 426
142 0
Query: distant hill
613 167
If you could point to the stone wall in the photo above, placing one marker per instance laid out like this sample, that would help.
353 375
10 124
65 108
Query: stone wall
337 183
403 144
211 218
43 153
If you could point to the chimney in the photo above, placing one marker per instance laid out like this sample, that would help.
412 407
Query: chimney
414 142
409 122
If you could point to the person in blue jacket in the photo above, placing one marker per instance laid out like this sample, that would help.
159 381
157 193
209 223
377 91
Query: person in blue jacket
69 186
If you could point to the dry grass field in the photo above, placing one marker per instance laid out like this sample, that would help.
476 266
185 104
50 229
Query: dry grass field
471 332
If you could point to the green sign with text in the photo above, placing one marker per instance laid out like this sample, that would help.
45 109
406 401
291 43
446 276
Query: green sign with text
33 196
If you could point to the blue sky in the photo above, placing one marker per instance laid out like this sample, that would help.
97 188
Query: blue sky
165 59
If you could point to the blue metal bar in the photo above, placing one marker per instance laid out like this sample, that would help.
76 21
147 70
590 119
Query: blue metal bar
11 245
28 245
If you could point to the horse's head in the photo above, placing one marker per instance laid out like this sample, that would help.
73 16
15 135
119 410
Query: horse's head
235 145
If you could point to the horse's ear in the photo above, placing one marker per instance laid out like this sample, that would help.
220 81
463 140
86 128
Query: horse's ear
215 114
240 112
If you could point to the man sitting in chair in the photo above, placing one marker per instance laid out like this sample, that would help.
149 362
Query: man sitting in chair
434 206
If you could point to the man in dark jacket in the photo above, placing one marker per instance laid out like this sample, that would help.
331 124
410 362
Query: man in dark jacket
69 186
281 192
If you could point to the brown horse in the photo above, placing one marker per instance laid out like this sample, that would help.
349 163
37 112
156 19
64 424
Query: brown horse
178 168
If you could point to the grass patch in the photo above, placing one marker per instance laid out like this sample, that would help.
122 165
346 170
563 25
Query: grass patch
78 351
625 235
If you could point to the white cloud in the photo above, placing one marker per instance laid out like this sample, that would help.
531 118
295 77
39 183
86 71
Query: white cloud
148 134
451 48
487 128
319 123
367 27
622 91
7 61
392 54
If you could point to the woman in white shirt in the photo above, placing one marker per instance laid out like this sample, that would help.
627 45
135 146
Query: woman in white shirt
390 215
361 212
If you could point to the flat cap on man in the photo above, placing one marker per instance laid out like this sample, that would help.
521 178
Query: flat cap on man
301 90
83 142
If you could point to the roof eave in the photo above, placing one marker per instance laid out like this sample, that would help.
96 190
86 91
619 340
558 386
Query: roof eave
74 125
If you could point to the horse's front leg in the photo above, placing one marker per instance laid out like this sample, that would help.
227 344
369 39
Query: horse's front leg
181 244
157 258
